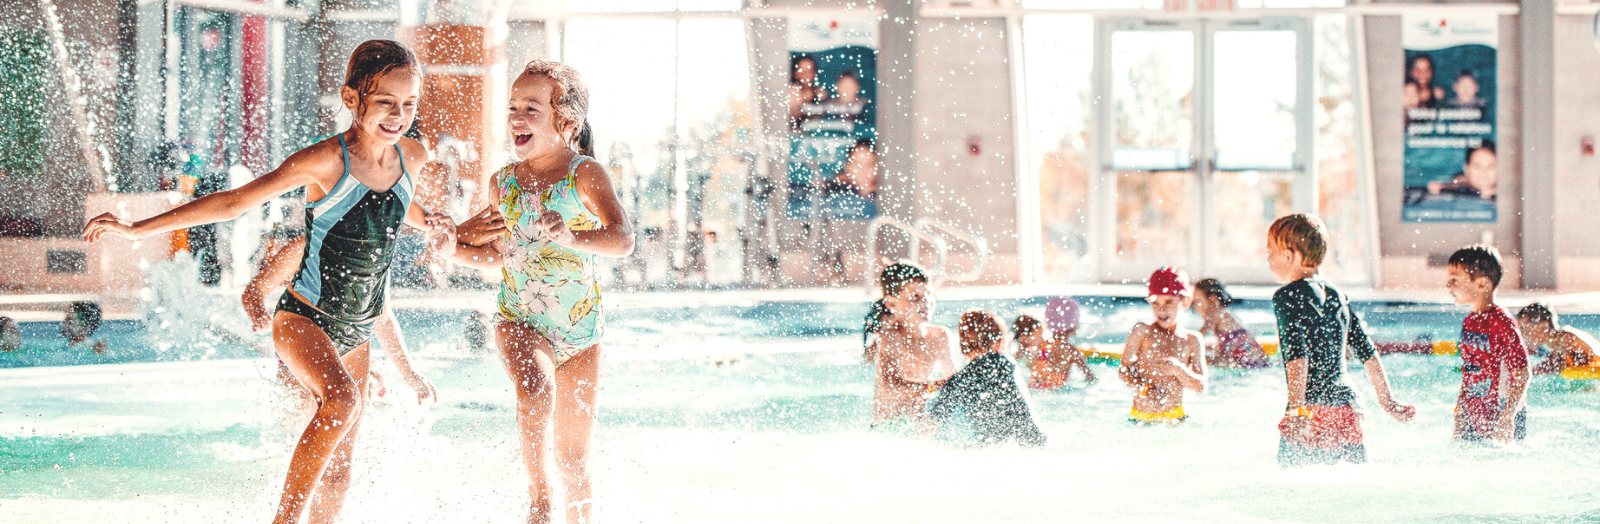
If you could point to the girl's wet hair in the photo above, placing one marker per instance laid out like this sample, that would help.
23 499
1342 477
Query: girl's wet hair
893 280
979 331
1024 325
569 99
1214 288
373 59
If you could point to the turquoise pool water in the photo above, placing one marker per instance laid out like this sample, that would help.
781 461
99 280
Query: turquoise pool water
197 432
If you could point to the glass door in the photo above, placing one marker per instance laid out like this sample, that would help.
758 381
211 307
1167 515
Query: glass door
1206 135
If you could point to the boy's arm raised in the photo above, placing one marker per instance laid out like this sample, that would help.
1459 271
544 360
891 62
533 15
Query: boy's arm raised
299 170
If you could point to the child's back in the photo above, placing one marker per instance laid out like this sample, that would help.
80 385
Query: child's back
1322 423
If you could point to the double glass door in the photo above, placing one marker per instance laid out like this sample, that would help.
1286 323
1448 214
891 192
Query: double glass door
1207 133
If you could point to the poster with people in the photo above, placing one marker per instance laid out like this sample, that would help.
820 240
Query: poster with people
1451 172
834 170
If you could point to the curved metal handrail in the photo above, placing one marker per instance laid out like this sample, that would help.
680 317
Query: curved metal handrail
934 233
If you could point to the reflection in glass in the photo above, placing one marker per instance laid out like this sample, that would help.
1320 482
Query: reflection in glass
1057 50
1153 217
1255 100
1152 85
1247 202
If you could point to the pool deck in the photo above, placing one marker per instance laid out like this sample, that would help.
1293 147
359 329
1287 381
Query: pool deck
48 307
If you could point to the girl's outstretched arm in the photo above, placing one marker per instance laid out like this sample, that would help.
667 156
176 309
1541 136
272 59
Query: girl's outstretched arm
614 238
301 169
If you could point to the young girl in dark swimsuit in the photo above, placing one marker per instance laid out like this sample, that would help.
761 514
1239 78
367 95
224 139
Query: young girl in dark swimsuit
358 193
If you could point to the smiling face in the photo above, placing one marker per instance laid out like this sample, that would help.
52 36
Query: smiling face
1422 71
1480 171
1466 89
849 88
388 109
534 127
914 304
1167 309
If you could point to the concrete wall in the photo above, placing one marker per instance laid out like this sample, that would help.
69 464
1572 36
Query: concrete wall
1407 246
1577 176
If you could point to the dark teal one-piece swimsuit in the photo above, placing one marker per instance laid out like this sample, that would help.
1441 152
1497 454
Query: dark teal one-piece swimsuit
344 272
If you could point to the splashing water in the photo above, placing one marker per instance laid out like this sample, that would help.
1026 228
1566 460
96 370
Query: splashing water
714 424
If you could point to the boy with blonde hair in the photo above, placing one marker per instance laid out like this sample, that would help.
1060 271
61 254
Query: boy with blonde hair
1322 424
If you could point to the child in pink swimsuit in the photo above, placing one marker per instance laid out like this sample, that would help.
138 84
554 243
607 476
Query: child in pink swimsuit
1236 346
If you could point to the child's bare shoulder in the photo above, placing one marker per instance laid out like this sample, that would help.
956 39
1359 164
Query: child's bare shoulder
416 154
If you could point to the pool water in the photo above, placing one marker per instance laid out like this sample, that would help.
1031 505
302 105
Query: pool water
758 413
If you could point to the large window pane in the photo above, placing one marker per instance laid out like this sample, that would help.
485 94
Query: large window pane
1154 214
1058 57
630 67
1152 85
714 115
1255 100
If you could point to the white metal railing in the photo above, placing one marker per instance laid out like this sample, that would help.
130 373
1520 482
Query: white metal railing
936 234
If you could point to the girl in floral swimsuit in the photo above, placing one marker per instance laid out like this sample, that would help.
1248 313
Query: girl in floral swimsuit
559 211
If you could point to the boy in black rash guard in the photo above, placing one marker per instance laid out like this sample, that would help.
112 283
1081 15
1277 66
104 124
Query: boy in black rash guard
1315 326
986 392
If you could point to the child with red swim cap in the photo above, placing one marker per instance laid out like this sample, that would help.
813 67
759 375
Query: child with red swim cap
1322 424
1161 359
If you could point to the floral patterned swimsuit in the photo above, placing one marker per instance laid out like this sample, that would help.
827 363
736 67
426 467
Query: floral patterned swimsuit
547 287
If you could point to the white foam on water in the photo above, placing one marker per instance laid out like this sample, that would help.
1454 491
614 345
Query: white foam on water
780 437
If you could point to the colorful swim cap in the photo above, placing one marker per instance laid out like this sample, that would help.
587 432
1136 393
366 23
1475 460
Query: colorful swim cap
1061 315
1170 281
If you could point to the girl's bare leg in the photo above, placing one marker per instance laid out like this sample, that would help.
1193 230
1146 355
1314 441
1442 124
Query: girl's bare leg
328 501
577 384
528 360
311 356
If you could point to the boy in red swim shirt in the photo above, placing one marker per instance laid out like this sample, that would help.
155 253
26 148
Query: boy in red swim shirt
1492 353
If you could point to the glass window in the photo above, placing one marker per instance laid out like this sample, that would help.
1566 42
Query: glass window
1255 100
1152 86
1058 57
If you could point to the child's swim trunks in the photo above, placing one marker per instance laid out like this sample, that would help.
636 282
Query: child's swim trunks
1335 436
1171 416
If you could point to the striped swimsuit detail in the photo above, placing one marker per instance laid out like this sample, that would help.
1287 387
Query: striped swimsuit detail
344 273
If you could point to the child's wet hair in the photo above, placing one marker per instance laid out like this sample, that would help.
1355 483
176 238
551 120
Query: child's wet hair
1301 233
373 59
1214 288
1537 313
893 280
87 314
1479 261
10 335
1024 325
569 100
979 331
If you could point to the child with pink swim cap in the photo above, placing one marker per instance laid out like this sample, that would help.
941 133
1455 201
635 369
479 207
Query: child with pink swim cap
1051 367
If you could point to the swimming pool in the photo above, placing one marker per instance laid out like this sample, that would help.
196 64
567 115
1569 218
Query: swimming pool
774 433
